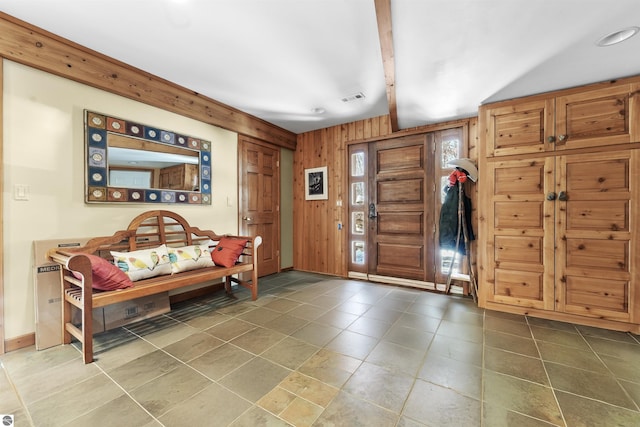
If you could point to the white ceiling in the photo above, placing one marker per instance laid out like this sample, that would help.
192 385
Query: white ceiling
279 60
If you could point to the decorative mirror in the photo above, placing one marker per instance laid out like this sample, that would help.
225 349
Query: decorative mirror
133 162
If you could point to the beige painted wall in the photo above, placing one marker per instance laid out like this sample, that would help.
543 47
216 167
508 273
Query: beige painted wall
43 149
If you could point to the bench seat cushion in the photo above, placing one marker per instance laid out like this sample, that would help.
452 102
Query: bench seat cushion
187 258
105 276
227 251
144 263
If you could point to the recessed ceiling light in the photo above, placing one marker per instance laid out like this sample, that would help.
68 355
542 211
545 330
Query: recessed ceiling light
617 36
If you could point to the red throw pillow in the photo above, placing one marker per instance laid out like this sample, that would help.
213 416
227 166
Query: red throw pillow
106 276
228 250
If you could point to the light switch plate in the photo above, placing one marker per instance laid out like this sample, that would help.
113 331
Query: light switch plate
21 192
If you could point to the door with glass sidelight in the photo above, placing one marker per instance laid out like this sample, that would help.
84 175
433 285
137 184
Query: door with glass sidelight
395 194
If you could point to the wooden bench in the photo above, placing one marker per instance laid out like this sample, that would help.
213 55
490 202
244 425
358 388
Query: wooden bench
147 230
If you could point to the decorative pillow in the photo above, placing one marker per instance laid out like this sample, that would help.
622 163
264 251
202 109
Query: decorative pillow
189 258
106 276
144 263
227 251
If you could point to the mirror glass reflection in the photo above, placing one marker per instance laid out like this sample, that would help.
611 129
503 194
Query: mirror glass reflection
130 162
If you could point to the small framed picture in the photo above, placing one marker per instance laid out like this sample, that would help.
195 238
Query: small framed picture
316 184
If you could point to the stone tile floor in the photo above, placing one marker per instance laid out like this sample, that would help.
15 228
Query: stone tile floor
317 350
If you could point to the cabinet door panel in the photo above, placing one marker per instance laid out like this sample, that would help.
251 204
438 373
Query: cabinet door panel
519 215
611 215
519 128
606 255
519 254
611 175
521 250
518 180
595 229
526 287
595 118
598 297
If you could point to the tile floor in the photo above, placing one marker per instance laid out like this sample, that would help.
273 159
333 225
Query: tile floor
322 351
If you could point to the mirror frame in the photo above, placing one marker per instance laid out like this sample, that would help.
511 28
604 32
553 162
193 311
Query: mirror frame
97 128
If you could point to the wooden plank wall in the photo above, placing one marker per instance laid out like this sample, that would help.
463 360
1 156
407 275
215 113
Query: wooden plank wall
26 44
318 245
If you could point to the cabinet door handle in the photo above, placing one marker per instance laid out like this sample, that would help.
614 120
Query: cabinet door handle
551 196
551 139
562 138
563 196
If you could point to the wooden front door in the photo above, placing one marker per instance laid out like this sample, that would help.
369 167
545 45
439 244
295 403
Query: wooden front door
400 242
391 227
395 197
259 194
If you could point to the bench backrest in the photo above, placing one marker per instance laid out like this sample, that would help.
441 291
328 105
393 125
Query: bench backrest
151 229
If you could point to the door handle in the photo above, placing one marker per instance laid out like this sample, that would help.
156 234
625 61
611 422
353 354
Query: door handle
563 196
372 211
551 196
246 218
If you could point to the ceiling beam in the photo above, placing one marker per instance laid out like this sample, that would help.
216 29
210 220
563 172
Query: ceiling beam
383 15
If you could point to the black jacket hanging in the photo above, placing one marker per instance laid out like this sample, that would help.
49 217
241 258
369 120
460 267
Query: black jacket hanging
449 221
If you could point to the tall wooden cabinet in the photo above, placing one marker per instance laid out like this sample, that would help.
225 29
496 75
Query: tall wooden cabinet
559 194
179 177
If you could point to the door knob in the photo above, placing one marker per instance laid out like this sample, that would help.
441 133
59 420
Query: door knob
562 138
563 196
246 218
551 139
551 196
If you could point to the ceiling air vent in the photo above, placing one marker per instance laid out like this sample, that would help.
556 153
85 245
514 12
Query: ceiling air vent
354 97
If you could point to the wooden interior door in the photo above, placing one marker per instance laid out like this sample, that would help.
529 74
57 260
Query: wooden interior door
259 195
401 238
